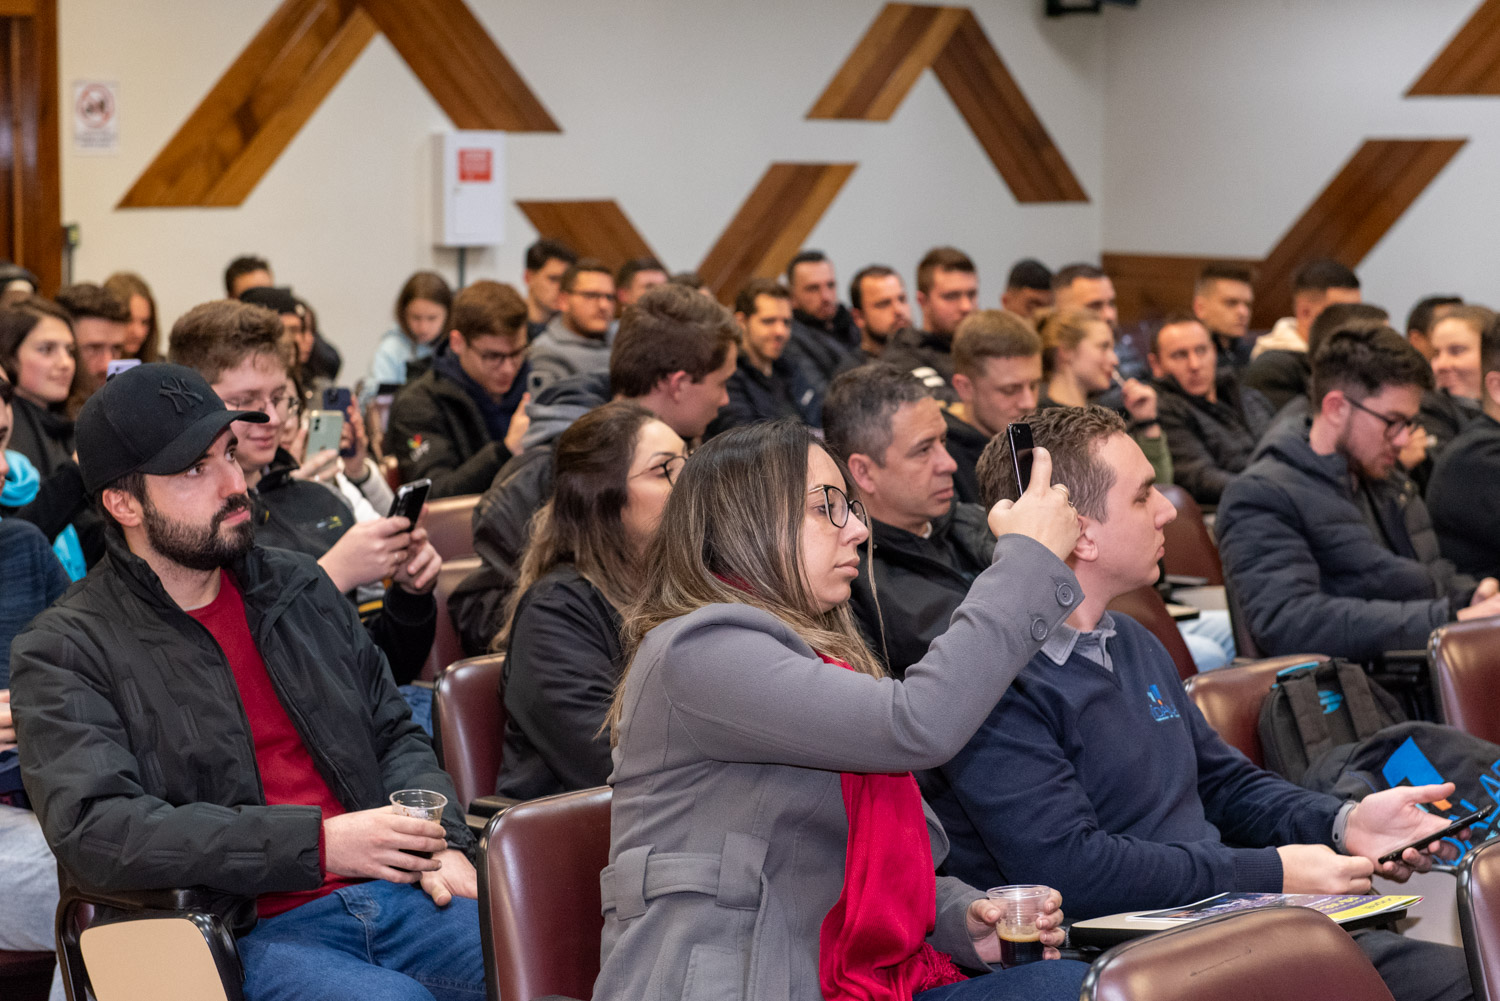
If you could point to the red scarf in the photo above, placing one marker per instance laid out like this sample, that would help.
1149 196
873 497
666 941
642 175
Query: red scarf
872 946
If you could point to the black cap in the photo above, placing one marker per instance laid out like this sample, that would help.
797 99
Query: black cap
156 419
276 299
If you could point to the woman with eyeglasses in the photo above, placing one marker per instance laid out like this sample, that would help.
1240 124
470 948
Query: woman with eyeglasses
614 471
767 838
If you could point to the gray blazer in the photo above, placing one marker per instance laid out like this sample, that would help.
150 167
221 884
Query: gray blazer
728 829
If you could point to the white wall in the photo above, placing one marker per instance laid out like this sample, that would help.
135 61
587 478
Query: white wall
1225 119
671 107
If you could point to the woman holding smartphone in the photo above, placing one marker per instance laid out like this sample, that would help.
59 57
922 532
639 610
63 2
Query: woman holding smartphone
767 839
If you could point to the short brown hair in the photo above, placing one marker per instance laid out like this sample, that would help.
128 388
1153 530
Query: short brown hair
671 328
1072 435
941 259
487 309
581 266
1220 272
754 289
218 336
992 333
86 300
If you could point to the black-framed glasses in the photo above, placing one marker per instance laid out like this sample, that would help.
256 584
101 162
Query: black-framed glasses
838 506
669 468
1395 427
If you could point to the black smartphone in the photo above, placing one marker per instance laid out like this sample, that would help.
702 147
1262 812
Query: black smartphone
1449 831
1020 453
409 500
338 398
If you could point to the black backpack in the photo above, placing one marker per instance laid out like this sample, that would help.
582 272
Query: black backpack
1314 709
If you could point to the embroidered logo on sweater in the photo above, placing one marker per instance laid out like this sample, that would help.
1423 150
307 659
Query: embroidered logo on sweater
1161 709
417 446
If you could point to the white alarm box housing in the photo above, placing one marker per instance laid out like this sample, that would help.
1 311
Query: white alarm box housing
470 188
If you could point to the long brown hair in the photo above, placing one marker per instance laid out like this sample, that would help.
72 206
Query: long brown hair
125 284
581 523
17 320
1062 329
732 534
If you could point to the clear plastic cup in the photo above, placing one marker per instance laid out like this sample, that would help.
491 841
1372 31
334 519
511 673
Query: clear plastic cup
423 804
1020 905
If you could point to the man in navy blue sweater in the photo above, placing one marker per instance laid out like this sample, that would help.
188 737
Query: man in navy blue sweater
1097 775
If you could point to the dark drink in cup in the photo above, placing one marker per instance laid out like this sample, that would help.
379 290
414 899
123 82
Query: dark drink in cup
1019 945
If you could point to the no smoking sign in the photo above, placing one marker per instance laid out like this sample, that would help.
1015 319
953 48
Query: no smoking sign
96 116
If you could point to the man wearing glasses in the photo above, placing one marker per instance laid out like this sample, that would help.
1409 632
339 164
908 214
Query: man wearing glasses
460 421
927 548
1326 543
578 338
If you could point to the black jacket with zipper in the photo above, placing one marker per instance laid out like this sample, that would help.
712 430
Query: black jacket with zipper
135 747
436 431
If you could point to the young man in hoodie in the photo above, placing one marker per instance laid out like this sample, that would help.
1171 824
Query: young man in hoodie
674 355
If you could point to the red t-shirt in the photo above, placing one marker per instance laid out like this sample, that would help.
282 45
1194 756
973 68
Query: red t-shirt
288 773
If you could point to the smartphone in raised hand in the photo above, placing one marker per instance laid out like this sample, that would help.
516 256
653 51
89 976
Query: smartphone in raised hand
1020 453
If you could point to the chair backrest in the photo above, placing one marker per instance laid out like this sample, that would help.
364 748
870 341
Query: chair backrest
1190 548
1286 953
539 914
447 647
468 716
1145 606
1244 640
450 525
1230 699
1465 659
26 976
1479 918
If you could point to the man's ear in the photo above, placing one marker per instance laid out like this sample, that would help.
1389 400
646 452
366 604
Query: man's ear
1334 407
456 342
122 507
964 387
1156 370
861 468
671 385
1086 549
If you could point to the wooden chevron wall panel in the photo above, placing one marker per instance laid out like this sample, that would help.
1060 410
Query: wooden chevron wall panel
460 65
1356 209
1151 287
905 39
592 228
1470 63
771 225
252 113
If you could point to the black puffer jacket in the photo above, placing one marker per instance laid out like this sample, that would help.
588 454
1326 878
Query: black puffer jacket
965 444
1464 502
926 356
919 581
136 751
437 431
755 397
1314 574
1211 443
561 666
308 518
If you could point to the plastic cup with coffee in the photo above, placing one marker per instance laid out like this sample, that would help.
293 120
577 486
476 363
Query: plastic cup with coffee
423 804
1020 906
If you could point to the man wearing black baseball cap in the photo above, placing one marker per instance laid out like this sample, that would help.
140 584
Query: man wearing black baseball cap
199 711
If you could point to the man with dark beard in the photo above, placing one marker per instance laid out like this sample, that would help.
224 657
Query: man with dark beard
200 711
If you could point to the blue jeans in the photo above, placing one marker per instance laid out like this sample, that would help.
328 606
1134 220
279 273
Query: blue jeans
28 887
374 941
1049 980
419 700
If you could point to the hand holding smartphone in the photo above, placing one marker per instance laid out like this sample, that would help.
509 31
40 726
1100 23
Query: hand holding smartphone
409 500
1021 448
1421 843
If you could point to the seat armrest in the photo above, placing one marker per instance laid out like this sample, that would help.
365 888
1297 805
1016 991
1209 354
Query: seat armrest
488 806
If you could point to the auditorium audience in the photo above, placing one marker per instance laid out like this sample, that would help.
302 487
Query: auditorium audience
823 329
422 308
202 711
577 339
1212 424
460 421
1461 495
1028 288
1279 360
1423 315
546 260
1086 288
1324 540
1222 298
927 548
39 356
765 385
99 322
142 334
636 277
1080 364
877 302
1100 708
235 348
614 471
1339 316
947 291
778 783
674 355
246 272
997 375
